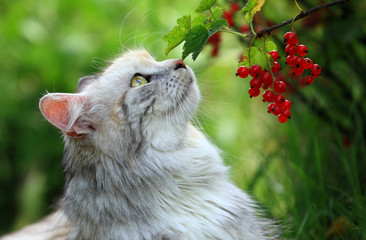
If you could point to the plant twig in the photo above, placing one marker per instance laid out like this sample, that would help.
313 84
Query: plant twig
303 14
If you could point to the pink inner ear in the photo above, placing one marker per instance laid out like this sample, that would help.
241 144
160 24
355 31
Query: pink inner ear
55 108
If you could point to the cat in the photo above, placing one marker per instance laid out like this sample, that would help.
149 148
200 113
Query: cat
135 167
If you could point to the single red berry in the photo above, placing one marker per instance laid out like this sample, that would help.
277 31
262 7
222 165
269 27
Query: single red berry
268 96
214 39
298 61
255 71
302 50
235 6
290 60
274 54
242 72
290 38
282 118
290 49
274 109
265 86
254 92
276 67
309 80
255 83
244 28
286 105
287 113
266 78
215 50
307 63
298 70
279 100
293 72
279 86
315 69
228 15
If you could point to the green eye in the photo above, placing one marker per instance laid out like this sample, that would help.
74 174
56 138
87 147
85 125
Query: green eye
138 81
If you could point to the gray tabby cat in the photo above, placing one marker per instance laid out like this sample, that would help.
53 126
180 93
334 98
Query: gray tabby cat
135 167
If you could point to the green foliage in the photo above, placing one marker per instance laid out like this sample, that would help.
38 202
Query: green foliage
205 5
178 34
259 54
251 8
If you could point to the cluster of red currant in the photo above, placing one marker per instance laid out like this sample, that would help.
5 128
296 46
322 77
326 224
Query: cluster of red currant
279 106
295 58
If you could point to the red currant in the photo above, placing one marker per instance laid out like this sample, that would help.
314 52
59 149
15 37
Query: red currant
274 109
287 113
279 86
276 67
298 61
274 54
254 92
290 38
293 72
255 83
309 80
282 118
255 71
266 78
235 6
307 63
315 69
290 49
268 96
298 70
286 105
290 60
302 50
244 28
279 99
228 15
242 72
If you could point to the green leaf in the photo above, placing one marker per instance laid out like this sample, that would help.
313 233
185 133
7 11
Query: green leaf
205 5
195 41
178 34
216 26
251 8
200 19
270 45
257 56
216 13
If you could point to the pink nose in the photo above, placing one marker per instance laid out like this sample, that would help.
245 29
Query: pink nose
179 64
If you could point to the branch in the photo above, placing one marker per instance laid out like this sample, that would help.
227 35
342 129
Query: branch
301 15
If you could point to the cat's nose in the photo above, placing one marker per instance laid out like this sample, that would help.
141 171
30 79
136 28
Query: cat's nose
179 64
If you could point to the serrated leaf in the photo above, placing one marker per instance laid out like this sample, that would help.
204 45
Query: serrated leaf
216 26
205 5
251 8
178 33
195 41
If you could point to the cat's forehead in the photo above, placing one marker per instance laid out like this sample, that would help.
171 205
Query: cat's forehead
132 57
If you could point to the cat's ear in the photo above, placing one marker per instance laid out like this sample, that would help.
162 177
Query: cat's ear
67 112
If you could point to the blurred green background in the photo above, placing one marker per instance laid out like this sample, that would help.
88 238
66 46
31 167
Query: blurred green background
309 173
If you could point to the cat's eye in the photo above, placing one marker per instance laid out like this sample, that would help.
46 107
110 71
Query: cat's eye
138 81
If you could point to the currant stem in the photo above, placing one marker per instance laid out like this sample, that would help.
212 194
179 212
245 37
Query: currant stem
302 14
228 30
298 6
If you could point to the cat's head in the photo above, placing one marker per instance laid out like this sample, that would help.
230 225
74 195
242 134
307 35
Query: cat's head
134 96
